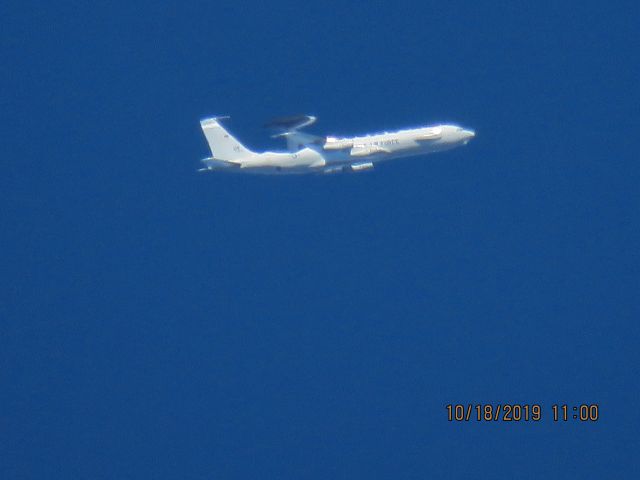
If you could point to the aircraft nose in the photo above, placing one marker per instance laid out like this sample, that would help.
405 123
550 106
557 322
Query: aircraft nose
467 135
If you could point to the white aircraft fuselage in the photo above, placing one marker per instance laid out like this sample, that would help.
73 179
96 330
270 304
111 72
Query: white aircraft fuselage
312 154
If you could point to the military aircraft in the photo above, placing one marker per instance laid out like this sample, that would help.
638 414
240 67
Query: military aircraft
309 153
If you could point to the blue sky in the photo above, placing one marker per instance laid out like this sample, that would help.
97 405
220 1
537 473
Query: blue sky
157 323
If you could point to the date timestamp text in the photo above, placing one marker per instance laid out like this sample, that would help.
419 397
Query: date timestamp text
520 412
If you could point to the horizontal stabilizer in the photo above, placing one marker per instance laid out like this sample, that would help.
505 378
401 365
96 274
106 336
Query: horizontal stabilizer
217 164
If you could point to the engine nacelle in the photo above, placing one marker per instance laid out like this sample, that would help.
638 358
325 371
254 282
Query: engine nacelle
356 167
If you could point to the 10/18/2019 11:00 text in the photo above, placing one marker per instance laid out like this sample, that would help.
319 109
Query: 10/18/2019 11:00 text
521 412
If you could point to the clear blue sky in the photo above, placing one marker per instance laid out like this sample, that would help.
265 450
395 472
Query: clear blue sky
156 323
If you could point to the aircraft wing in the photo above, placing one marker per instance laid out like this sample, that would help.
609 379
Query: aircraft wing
364 151
298 140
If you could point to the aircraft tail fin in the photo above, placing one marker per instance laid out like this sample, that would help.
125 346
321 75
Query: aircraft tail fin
222 144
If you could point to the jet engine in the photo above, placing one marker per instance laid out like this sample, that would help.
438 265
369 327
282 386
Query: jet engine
356 167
